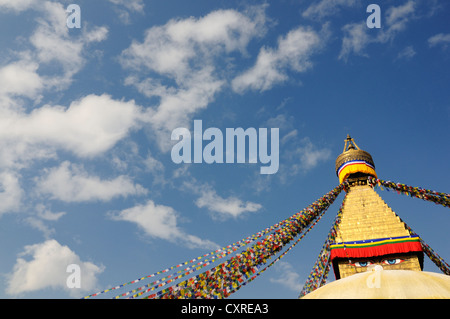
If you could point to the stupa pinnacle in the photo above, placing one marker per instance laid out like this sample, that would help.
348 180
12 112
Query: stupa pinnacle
371 237
354 162
369 232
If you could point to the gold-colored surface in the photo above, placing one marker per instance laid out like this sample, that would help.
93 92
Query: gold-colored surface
386 284
366 216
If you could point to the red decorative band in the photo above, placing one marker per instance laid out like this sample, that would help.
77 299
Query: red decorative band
376 247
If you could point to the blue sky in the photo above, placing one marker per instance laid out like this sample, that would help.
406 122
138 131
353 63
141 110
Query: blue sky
86 174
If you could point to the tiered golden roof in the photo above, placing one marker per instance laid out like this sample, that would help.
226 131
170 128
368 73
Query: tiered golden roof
367 216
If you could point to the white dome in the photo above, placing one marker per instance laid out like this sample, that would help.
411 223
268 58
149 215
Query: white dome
386 284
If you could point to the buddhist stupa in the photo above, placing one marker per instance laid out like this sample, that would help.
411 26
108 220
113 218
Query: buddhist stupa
374 254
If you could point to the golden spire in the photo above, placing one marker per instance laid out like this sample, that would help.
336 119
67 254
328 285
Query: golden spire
349 144
369 229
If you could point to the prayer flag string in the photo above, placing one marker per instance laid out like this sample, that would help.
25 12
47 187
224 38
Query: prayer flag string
222 280
418 192
322 266
182 273
319 273
246 265
425 194
283 254
434 257
217 254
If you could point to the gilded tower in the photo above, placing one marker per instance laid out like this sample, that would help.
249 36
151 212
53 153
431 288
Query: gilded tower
373 247
369 233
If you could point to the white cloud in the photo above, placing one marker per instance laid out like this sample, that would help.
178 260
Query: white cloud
176 108
20 78
291 135
325 8
51 45
54 44
42 218
160 221
46 214
47 268
97 34
40 225
88 127
355 40
219 206
397 19
310 155
71 183
271 67
133 5
356 36
300 156
407 53
288 277
153 165
171 49
208 198
439 39
185 53
125 7
10 192
225 207
17 5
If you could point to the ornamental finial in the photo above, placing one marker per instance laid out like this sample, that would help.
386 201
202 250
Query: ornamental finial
353 161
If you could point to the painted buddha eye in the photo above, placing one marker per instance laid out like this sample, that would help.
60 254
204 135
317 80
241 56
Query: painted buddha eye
362 263
392 261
